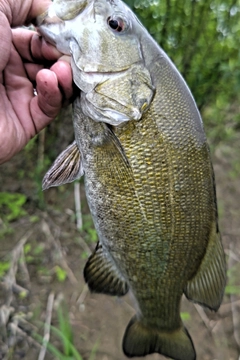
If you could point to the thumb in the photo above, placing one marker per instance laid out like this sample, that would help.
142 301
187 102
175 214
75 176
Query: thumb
5 41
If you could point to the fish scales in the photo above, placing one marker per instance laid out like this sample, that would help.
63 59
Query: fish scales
147 171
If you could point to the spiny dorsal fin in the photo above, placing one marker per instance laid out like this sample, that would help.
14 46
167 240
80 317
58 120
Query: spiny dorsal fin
102 275
207 286
65 169
140 340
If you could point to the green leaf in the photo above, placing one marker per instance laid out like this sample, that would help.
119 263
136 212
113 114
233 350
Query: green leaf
185 316
38 249
60 273
232 290
34 219
84 255
27 248
66 341
11 205
65 328
4 266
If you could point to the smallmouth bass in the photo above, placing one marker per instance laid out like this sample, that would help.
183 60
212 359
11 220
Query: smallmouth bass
141 146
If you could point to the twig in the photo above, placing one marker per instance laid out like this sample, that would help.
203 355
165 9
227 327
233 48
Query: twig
17 289
228 306
22 320
47 324
41 146
217 330
82 297
24 270
84 245
15 329
59 299
9 286
218 333
5 312
234 305
10 278
77 198
232 254
203 316
57 245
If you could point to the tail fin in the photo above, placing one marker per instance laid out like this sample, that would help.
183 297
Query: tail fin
141 340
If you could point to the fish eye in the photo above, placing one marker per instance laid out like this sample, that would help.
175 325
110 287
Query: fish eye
116 23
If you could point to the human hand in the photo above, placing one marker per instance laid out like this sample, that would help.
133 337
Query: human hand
24 57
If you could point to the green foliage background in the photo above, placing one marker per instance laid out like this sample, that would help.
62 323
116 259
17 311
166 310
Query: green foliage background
202 37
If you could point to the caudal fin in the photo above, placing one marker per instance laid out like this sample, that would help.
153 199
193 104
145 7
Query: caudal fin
141 340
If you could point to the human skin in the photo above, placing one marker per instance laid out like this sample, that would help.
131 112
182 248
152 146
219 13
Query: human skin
27 62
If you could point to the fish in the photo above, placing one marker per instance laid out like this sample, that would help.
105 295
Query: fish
141 147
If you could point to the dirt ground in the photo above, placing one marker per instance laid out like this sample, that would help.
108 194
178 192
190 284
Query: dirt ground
51 242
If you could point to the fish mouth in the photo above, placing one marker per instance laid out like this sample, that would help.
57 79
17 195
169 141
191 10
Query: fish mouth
44 23
51 22
41 18
47 18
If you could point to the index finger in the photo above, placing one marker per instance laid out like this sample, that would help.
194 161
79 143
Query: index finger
32 46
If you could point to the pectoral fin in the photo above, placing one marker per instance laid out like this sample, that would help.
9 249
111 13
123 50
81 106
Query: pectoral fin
65 169
102 275
207 286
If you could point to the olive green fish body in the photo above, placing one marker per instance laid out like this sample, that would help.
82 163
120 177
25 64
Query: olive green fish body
140 143
160 194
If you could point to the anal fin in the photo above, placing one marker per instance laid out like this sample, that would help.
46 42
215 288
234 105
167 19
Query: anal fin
102 275
207 286
140 340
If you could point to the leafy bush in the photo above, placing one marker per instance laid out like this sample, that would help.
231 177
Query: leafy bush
202 37
11 205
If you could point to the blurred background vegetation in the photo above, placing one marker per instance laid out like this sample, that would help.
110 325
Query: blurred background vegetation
202 37
38 232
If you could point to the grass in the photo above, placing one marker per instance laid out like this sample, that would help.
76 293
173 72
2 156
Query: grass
64 333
